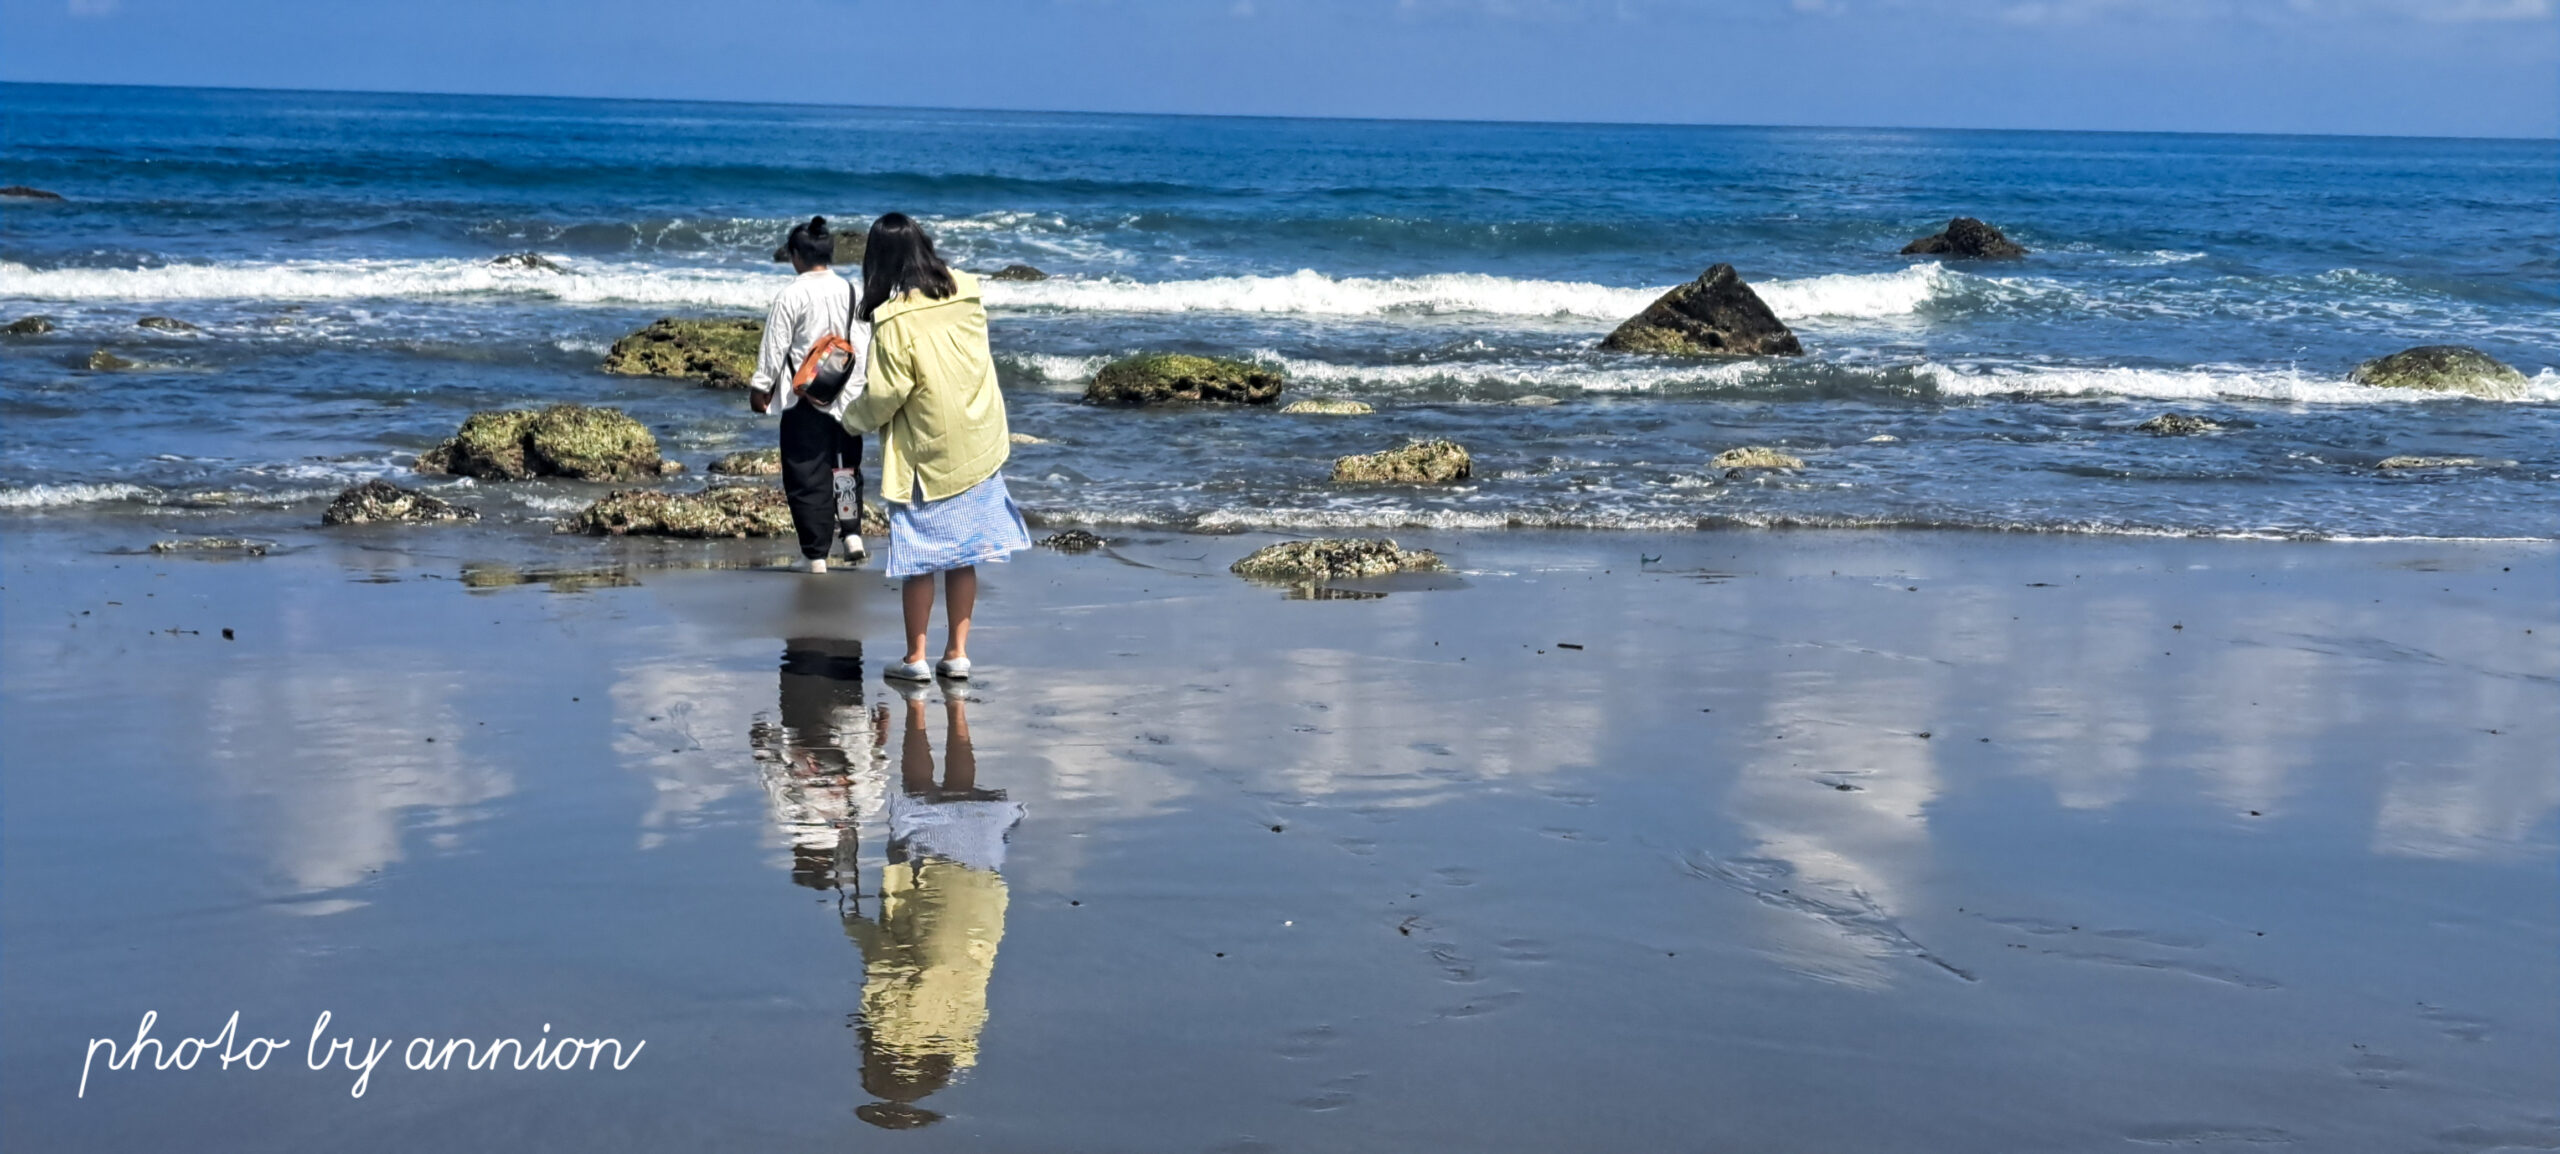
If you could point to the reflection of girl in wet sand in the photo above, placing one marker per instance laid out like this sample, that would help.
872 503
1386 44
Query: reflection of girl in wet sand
816 759
927 960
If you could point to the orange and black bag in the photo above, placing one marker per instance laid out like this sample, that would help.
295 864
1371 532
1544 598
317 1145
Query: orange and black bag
829 366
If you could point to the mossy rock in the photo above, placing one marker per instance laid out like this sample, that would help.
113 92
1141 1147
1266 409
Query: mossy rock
1716 315
1756 457
1169 378
29 326
1073 541
719 511
165 325
720 352
379 501
1329 407
2443 369
2178 425
1334 559
749 463
1433 462
561 441
103 361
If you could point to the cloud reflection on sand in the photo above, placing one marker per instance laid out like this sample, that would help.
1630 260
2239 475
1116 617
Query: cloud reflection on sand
336 764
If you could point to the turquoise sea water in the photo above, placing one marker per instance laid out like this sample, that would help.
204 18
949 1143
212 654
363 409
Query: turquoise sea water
334 250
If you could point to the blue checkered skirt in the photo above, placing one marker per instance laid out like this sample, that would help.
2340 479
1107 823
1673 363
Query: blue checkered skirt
976 525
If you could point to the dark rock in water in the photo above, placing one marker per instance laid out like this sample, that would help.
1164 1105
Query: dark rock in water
1017 272
528 261
22 192
719 511
1714 316
103 361
1966 239
561 441
240 545
1073 541
2443 369
1166 378
165 325
1334 558
719 352
749 463
30 326
2178 425
381 502
1419 463
1755 457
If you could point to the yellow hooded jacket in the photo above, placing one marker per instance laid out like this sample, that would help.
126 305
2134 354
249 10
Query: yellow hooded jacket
932 385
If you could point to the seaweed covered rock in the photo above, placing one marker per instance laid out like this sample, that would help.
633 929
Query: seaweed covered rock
1756 457
381 502
749 463
2443 369
2177 425
720 352
103 361
1433 462
719 511
1329 407
1334 558
1073 541
1715 315
30 326
1966 239
561 441
165 325
1017 272
1167 378
245 546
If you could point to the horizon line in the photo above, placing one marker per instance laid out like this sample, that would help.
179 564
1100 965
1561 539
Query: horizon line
2552 139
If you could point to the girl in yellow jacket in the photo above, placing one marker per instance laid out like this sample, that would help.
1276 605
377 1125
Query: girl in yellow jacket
932 385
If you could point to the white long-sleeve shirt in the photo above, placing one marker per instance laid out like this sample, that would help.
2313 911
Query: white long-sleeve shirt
814 304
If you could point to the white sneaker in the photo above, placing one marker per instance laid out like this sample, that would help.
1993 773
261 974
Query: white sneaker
915 671
814 565
955 668
855 551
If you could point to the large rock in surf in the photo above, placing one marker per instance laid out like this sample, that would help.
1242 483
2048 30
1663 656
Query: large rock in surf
749 463
1333 559
165 325
2443 369
1715 315
720 352
1017 272
1756 457
526 262
717 511
103 361
30 326
561 441
2177 425
1432 462
1329 407
22 192
1168 378
1967 239
381 502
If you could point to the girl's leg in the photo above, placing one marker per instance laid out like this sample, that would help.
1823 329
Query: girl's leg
915 754
961 585
917 595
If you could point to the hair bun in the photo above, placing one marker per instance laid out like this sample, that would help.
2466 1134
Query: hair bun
817 226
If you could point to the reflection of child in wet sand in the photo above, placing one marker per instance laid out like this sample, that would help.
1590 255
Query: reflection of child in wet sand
816 761
927 960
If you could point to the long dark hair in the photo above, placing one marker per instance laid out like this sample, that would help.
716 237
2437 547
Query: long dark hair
897 258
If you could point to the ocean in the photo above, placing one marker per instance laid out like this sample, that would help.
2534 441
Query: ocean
334 251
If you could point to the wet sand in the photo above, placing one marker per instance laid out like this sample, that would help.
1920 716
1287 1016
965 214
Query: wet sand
1817 842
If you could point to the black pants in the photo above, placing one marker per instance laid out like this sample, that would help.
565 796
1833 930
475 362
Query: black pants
814 446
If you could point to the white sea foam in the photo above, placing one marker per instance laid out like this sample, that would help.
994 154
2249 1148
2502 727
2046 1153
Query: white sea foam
2202 383
406 279
1310 293
1864 296
32 497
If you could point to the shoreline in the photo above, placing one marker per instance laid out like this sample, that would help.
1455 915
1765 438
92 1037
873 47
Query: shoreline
1821 841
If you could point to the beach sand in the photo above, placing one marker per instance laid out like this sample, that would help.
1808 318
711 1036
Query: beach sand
1723 841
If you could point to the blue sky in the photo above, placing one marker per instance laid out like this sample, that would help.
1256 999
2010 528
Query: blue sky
2417 67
